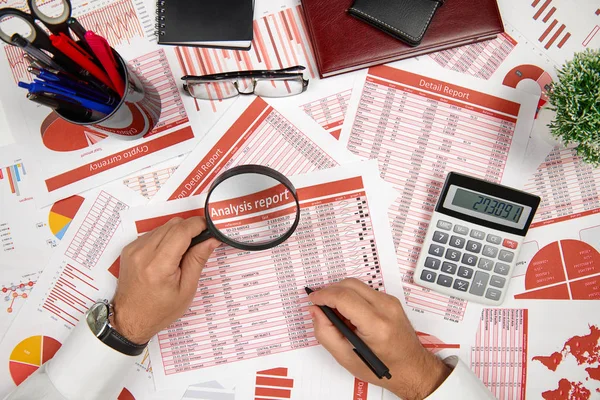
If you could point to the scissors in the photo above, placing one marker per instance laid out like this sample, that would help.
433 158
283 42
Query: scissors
37 36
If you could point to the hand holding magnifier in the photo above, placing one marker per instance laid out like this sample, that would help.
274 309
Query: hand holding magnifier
250 207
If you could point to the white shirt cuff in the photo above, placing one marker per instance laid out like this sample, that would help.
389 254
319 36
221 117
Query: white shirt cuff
462 383
86 368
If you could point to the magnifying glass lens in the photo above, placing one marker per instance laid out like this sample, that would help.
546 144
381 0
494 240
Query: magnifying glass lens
252 209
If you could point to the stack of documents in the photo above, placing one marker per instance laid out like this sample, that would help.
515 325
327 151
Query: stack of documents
372 148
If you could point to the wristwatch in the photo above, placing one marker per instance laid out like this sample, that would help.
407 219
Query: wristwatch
97 319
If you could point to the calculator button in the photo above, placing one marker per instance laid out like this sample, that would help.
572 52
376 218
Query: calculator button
461 230
428 276
479 283
493 294
449 268
461 285
465 272
458 242
469 259
497 281
493 239
440 237
475 234
452 255
489 251
445 225
485 264
506 256
473 246
511 244
502 269
436 250
444 280
432 263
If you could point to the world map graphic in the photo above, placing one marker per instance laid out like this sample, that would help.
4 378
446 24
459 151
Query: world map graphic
586 351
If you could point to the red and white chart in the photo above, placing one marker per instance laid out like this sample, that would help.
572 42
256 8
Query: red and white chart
420 126
569 188
540 350
254 132
74 158
559 261
257 308
75 276
27 235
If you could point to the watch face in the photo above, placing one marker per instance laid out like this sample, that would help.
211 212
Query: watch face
97 318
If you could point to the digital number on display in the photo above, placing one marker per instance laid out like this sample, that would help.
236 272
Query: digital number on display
487 205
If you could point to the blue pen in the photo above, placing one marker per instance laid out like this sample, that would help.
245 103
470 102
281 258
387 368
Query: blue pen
43 88
93 96
81 88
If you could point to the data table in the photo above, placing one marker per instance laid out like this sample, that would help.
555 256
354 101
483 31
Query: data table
418 136
237 312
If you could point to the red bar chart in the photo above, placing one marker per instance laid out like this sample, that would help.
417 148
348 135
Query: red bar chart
73 292
556 33
11 176
273 384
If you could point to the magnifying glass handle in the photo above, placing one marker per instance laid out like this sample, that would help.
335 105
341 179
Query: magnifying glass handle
202 237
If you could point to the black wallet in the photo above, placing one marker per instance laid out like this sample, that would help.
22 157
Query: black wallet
406 20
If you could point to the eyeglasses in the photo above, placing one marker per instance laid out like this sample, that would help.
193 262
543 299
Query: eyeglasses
268 83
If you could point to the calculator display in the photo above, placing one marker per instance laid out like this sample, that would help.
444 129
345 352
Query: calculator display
487 205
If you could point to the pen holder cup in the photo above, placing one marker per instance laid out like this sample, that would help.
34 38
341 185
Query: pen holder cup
136 114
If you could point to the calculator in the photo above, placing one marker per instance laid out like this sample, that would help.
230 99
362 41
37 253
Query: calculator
474 239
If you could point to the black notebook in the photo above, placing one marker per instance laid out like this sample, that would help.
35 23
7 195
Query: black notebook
205 23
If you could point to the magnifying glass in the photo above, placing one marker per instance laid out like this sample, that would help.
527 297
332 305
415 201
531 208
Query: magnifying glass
250 207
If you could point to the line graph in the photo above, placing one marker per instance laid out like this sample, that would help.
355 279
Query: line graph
15 291
280 41
118 22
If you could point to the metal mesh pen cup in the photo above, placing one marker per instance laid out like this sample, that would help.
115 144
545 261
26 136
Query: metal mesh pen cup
136 114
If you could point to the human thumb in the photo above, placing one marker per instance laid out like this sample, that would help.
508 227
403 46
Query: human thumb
194 260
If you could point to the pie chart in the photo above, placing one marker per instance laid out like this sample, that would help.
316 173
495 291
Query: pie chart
533 72
29 355
62 213
565 270
125 395
60 135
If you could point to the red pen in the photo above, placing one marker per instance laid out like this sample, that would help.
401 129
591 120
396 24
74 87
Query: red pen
104 54
65 44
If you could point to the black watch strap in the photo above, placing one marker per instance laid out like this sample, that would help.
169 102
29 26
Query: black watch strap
113 339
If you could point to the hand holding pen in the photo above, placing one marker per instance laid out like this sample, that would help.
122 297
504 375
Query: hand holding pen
383 326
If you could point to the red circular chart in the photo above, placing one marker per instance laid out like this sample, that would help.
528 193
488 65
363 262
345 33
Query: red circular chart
60 135
125 395
567 269
533 72
29 355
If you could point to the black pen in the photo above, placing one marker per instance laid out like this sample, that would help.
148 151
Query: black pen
73 110
80 31
360 348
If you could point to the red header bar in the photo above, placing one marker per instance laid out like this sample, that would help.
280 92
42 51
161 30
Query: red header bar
446 89
206 170
312 192
120 158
